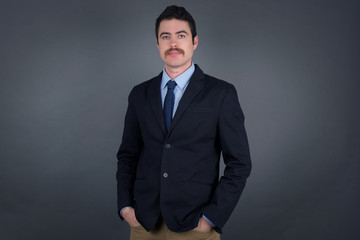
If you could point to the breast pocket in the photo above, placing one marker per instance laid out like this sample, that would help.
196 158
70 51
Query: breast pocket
198 109
198 122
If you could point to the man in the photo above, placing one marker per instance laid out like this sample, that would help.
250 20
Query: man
176 127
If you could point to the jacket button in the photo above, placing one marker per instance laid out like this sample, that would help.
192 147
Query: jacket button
165 175
167 146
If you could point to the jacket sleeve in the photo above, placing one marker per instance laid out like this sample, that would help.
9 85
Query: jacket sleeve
128 155
235 151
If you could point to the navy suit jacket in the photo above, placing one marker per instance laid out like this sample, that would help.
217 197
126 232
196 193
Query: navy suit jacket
176 173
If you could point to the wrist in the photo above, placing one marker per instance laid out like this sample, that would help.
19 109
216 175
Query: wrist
125 211
208 221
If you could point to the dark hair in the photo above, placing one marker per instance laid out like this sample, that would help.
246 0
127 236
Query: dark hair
176 12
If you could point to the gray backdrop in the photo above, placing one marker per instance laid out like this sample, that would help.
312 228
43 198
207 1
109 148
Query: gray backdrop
67 68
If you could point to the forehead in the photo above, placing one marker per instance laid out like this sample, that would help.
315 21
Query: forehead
173 26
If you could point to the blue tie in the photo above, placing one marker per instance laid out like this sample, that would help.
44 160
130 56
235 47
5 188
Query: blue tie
169 103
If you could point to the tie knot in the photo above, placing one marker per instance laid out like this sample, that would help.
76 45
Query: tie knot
171 84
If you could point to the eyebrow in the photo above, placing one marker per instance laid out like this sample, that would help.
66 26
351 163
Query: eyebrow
182 31
167 33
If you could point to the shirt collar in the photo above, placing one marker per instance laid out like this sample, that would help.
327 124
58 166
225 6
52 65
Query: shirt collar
180 80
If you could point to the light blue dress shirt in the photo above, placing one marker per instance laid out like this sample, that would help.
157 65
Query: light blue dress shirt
182 81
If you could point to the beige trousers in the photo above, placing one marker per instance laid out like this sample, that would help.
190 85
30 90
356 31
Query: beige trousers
161 232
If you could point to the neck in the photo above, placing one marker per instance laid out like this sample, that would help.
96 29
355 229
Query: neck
173 72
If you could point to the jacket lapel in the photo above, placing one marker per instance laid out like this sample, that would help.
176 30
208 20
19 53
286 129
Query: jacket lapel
195 85
154 98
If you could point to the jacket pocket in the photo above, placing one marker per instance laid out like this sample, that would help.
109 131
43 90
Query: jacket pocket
199 109
199 181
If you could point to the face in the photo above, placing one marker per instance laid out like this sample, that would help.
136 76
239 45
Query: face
175 43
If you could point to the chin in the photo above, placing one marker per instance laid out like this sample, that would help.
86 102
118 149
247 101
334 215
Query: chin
174 64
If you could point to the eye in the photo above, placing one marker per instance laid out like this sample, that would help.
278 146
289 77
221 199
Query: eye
181 36
165 37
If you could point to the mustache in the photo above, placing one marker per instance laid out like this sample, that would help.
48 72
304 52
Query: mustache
176 49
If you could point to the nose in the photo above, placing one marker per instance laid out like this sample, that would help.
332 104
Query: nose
174 44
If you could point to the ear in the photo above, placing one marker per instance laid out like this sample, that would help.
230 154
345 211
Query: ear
157 42
196 42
